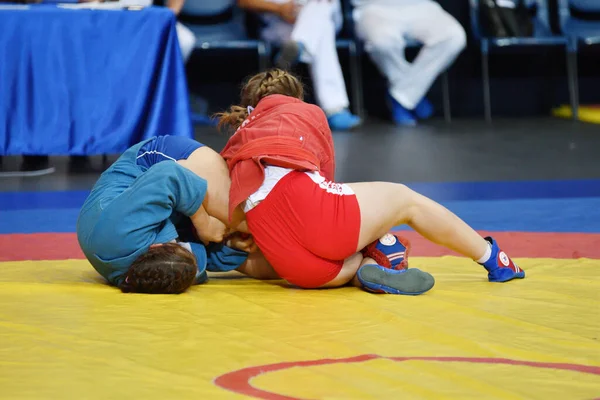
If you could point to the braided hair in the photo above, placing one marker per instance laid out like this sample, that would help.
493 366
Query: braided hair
165 269
259 86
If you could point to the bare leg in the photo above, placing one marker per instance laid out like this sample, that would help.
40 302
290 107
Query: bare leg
355 282
348 272
257 267
385 205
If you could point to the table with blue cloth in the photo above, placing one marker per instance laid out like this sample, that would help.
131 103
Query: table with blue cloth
88 81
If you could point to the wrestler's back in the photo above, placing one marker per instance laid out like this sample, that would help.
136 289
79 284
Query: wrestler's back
208 164
200 159
134 162
166 148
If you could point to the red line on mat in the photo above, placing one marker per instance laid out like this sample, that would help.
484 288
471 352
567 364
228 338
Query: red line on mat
39 246
239 381
61 246
521 244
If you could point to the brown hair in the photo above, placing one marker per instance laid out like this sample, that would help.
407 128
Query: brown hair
165 269
274 81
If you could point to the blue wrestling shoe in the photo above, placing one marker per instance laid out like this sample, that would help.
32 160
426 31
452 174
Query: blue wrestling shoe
378 279
424 110
500 267
343 121
400 114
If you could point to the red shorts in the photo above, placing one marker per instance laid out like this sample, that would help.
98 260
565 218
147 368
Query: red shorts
306 227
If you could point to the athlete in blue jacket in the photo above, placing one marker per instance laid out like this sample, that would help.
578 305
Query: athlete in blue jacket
152 224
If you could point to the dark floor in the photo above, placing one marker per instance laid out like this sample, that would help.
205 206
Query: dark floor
463 151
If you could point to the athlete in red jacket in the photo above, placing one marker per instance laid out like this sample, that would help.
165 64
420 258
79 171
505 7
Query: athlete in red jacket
318 233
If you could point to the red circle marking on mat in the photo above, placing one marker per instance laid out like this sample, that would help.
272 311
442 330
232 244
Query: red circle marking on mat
62 246
239 381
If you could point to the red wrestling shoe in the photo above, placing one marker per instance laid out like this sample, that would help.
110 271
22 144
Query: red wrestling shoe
390 251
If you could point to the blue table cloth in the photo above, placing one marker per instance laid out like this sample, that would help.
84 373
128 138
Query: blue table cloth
83 82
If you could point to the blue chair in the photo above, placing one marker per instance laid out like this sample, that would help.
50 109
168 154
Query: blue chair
221 30
542 36
586 32
228 35
350 31
580 32
347 40
263 49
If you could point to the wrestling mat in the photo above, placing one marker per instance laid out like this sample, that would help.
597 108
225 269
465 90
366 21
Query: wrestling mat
65 334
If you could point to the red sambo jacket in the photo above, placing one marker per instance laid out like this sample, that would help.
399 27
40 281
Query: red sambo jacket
281 131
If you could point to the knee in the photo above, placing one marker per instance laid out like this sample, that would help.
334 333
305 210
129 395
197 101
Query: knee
187 41
456 38
369 29
186 49
404 195
410 202
403 190
380 42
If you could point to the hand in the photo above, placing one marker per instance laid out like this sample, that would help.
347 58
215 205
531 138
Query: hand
242 241
208 228
238 221
242 227
288 11
214 232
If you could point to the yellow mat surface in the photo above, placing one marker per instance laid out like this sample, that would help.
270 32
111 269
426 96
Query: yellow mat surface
65 335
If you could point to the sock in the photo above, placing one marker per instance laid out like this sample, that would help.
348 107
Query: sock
486 256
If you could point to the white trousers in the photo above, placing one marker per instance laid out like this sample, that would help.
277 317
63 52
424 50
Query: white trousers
185 37
385 30
316 27
187 40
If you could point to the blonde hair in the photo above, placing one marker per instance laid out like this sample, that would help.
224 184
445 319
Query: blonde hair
274 81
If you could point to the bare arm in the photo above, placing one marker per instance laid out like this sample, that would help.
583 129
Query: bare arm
208 164
175 5
256 267
259 6
208 228
286 11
